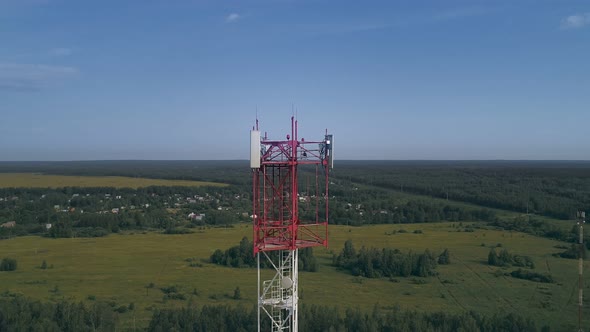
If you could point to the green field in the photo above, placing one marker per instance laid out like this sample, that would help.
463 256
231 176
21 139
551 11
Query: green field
118 267
33 180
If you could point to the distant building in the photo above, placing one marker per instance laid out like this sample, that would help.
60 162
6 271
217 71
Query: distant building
9 224
196 216
115 210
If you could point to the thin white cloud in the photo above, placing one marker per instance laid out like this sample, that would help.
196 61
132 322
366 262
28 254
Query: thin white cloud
457 13
15 76
576 21
233 17
60 51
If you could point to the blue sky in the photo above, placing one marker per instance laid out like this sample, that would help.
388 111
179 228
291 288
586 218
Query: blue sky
88 80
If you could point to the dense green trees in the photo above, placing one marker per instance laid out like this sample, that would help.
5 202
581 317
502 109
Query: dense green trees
536 227
444 258
23 314
505 258
554 189
573 252
8 264
314 318
242 255
375 263
237 256
307 261
533 276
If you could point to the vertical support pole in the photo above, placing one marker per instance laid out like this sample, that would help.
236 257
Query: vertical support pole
258 291
581 220
295 292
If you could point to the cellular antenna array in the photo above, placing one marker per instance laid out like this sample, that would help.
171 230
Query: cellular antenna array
280 226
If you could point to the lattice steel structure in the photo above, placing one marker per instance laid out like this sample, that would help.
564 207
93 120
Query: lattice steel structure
281 226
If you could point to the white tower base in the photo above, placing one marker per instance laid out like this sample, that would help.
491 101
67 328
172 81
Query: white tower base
278 296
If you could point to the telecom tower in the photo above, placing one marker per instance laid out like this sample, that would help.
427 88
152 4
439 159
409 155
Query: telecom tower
281 225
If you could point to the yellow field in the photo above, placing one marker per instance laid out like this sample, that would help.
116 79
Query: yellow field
118 267
34 180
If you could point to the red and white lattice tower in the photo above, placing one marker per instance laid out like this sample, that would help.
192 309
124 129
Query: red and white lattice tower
281 225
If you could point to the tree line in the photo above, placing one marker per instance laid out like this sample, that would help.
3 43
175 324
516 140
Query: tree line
317 318
242 255
541 228
387 262
20 313
555 189
23 314
505 259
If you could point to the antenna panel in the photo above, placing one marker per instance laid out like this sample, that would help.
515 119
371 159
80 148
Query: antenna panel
254 149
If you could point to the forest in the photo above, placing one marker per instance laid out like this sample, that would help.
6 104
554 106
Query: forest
24 314
387 262
551 188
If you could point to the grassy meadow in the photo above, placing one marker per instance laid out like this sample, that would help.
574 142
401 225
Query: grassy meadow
35 180
118 267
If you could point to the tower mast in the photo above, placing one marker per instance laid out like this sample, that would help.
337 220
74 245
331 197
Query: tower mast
278 230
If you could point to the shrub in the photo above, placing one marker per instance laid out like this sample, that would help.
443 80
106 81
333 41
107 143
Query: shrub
122 309
504 258
8 264
444 258
237 293
169 289
90 232
573 252
532 276
177 230
174 296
